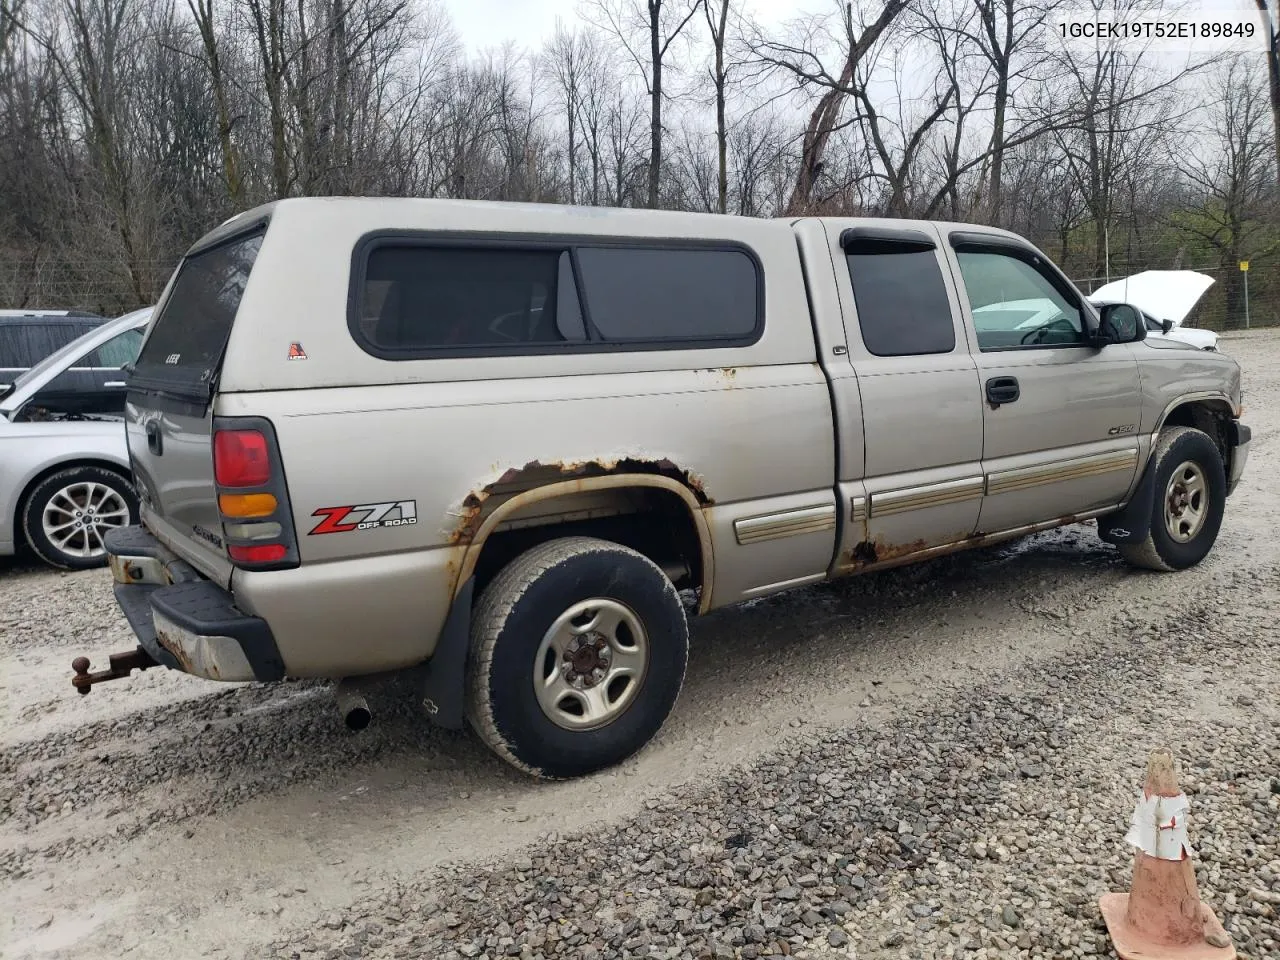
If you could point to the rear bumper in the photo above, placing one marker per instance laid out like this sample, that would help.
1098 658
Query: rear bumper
184 621
1239 438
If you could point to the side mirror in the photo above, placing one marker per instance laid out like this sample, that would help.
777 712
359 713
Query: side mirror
1120 323
1166 326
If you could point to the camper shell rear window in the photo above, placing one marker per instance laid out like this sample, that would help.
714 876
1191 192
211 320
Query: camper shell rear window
188 338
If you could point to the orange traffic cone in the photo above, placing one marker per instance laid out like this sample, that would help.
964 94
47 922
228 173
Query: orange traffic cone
1162 918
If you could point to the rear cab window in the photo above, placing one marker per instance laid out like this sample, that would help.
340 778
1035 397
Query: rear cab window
900 296
417 297
188 338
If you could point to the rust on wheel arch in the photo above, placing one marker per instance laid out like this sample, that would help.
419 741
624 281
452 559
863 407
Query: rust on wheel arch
517 487
536 473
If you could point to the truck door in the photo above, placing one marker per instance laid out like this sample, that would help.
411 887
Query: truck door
1060 417
921 415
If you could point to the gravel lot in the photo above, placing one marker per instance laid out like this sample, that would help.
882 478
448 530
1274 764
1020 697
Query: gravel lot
931 762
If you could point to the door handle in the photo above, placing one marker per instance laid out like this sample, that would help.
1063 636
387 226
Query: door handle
155 441
1002 390
112 384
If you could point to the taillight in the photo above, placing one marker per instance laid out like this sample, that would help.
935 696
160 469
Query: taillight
253 500
263 553
240 458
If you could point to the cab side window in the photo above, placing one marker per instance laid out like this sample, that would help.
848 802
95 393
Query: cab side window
901 298
1015 306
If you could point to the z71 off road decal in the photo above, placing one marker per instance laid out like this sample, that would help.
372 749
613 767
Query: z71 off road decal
366 516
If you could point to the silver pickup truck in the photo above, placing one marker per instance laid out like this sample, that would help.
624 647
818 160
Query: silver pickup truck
509 447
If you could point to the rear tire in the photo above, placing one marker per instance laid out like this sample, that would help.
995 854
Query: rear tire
67 515
578 652
1190 498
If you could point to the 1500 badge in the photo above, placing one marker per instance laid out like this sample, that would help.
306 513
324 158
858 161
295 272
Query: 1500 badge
1122 429
366 516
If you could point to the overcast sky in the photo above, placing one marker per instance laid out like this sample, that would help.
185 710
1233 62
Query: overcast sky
488 23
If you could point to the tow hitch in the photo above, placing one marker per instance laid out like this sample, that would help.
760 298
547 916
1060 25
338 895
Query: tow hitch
119 665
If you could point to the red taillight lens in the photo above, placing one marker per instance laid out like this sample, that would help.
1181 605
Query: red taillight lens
240 458
257 553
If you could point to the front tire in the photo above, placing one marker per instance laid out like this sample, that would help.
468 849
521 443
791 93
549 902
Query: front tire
1190 498
67 516
578 652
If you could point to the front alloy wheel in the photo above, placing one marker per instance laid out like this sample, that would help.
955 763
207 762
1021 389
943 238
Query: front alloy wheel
67 516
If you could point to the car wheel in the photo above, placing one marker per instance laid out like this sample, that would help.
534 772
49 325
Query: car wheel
1190 497
578 652
67 516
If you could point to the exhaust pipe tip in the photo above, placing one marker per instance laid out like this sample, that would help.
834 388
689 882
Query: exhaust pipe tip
357 717
352 705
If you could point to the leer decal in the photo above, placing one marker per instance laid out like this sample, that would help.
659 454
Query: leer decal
365 516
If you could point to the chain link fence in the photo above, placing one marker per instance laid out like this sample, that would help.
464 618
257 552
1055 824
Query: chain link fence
1225 305
104 287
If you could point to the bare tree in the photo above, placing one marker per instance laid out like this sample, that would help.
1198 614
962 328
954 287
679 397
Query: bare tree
800 59
1233 178
600 89
1005 36
102 42
717 15
268 18
202 11
655 24
1125 116
572 62
1271 23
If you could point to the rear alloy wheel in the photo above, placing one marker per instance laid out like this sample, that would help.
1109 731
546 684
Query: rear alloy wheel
68 514
578 652
1190 498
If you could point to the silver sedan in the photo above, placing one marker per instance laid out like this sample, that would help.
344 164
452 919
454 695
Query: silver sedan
64 466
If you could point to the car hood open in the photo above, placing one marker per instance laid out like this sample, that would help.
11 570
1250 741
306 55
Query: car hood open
1164 294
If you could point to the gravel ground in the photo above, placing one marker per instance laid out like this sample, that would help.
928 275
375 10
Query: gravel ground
931 762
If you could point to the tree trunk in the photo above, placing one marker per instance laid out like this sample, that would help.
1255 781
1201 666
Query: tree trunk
655 102
821 124
1273 73
822 121
270 30
722 134
342 153
202 10
1001 108
573 144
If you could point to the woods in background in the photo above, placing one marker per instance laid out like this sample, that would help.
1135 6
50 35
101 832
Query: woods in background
128 128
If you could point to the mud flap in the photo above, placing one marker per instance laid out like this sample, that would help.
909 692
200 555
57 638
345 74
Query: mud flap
1131 522
443 689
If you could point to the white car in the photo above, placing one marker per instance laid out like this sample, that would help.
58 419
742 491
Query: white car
64 463
1167 297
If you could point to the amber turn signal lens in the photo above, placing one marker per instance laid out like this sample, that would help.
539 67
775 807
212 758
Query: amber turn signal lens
247 504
